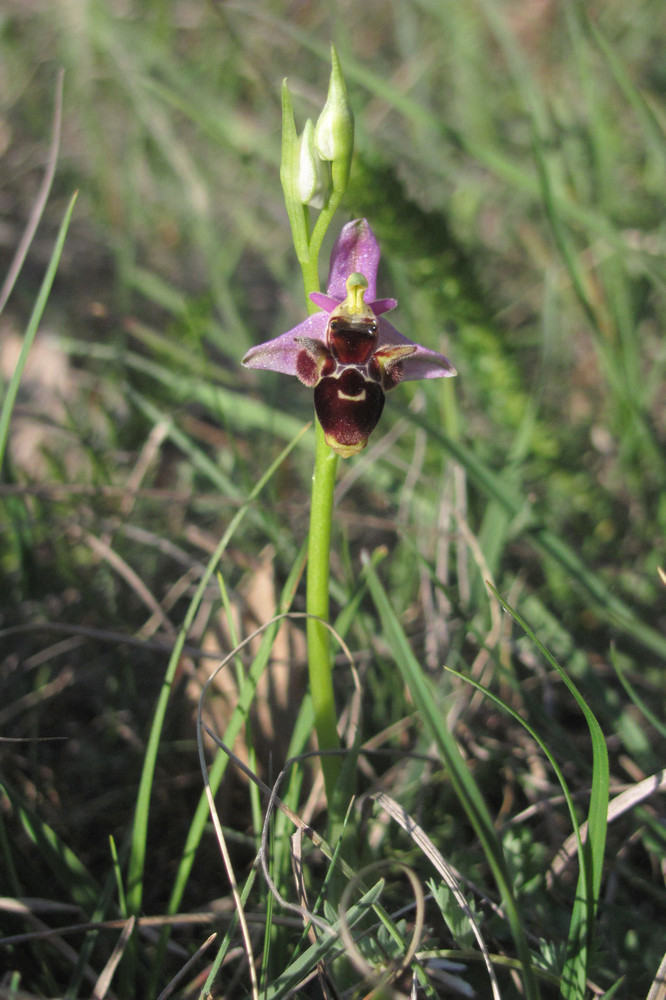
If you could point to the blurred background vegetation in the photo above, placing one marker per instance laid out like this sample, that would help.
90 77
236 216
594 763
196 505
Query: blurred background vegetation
511 158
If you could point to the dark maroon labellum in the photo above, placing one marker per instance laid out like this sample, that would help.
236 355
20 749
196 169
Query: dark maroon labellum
348 407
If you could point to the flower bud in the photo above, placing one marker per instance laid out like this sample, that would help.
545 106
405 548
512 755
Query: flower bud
313 180
334 131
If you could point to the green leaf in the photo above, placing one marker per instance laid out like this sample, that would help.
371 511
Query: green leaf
72 874
591 852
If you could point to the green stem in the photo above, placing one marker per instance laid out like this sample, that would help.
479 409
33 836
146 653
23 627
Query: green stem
319 561
320 667
317 603
322 224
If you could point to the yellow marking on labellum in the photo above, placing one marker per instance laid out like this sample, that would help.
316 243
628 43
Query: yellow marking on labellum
358 398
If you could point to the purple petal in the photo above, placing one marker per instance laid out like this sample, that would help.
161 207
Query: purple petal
356 249
281 354
422 364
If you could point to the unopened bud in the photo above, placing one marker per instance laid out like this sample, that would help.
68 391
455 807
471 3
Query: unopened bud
313 180
334 131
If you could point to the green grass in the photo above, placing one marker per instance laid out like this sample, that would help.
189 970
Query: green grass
154 501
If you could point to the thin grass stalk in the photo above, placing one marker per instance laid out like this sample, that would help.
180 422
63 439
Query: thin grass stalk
136 866
581 932
218 768
40 200
462 781
606 603
31 329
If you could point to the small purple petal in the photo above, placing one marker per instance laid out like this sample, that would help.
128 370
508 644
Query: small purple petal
324 302
380 306
281 354
422 364
356 249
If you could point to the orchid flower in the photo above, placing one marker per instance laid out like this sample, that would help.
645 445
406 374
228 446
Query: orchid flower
348 352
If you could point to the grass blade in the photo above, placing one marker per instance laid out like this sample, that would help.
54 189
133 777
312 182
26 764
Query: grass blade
140 829
462 781
63 862
40 200
611 608
589 879
31 330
